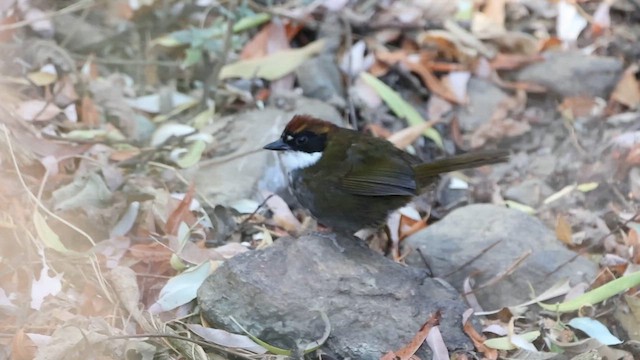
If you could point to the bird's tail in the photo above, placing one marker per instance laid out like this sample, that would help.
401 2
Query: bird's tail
429 170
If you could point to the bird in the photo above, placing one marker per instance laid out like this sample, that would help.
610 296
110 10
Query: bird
350 180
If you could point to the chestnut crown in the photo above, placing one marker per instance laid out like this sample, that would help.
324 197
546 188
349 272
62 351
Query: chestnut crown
303 133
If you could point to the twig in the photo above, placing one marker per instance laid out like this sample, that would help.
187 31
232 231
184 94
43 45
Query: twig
262 204
508 271
214 161
425 261
32 196
484 251
83 4
115 61
182 338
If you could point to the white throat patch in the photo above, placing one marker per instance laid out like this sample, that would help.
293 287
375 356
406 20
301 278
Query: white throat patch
296 160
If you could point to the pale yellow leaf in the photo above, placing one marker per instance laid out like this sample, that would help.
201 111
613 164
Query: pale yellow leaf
273 66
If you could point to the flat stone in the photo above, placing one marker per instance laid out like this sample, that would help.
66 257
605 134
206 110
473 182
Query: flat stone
374 305
487 240
319 78
484 97
574 74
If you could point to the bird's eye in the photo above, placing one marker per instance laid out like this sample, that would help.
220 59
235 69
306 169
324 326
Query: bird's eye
301 140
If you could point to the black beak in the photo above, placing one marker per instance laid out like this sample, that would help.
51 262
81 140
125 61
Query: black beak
277 145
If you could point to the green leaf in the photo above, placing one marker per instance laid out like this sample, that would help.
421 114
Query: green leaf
596 295
47 235
193 155
182 288
521 207
193 55
503 343
273 66
401 108
250 22
586 187
272 349
313 346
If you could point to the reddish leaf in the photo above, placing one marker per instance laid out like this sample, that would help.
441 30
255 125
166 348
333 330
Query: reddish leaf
180 214
88 112
22 348
478 341
563 230
423 69
627 92
407 352
513 61
151 252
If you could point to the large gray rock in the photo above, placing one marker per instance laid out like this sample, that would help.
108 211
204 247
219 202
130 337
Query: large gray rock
574 74
463 243
373 304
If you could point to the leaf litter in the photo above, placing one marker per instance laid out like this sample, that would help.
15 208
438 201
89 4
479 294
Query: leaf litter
96 139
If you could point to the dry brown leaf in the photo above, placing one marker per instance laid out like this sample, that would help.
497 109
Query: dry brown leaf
500 125
22 348
478 341
410 349
391 57
431 81
282 215
627 91
5 22
181 213
495 11
125 154
513 61
496 129
89 112
448 45
378 130
633 241
120 9
422 66
37 110
408 135
64 91
257 46
151 252
563 230
549 44
633 156
384 59
439 66
579 106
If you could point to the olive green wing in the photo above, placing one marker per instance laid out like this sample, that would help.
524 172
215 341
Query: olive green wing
381 170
